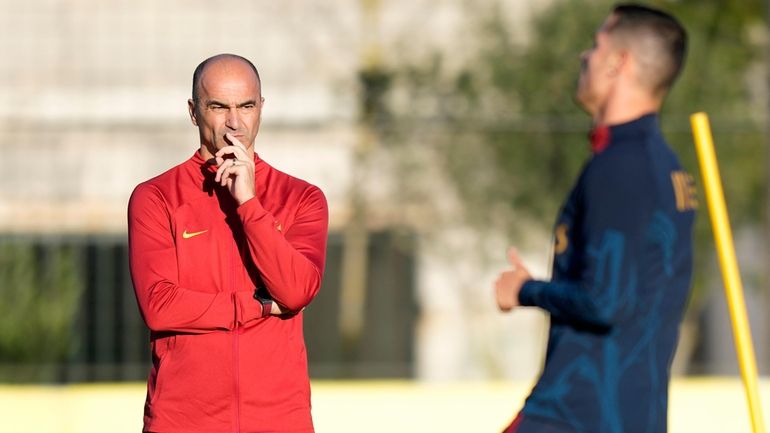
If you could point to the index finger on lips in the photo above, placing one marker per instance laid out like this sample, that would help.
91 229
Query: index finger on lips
236 143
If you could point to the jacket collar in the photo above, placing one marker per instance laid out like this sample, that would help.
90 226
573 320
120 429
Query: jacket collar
602 136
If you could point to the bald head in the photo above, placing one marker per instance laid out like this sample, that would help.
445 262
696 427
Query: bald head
222 61
656 39
226 104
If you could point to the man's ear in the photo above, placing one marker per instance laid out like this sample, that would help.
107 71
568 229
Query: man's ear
618 62
191 109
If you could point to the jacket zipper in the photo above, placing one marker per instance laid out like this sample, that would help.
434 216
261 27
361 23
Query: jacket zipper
236 350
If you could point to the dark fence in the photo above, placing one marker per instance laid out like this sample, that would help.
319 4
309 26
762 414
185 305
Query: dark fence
68 312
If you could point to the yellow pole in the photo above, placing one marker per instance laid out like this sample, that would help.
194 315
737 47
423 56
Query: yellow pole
727 261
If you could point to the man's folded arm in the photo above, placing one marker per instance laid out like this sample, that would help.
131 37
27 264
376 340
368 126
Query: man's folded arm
164 304
291 263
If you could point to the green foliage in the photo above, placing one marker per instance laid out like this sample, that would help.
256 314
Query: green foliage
723 50
41 289
505 130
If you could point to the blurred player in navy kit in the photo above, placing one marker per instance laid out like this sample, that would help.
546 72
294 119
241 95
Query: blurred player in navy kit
623 250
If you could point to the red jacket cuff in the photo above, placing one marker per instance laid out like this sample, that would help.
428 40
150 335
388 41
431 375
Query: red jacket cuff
251 210
248 308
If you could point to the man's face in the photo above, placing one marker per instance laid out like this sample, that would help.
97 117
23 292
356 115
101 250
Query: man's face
229 101
597 71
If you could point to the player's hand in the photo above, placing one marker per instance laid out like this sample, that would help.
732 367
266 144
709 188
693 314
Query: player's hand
277 310
236 173
508 284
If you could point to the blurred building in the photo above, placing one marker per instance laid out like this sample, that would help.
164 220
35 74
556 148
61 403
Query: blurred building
93 101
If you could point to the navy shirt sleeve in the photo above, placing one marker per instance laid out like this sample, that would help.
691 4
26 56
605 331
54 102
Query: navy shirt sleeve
613 205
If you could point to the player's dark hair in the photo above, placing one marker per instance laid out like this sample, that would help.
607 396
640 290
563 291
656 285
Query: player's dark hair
202 66
667 36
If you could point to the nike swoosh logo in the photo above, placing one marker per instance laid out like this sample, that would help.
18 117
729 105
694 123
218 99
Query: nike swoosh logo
187 235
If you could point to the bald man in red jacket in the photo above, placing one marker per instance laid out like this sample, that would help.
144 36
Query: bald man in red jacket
225 253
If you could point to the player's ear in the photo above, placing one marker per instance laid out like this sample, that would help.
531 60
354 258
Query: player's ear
618 61
191 109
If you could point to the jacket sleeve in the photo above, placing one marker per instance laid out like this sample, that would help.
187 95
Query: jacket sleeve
164 304
613 209
291 264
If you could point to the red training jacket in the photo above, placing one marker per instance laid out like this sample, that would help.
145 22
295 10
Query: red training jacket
221 364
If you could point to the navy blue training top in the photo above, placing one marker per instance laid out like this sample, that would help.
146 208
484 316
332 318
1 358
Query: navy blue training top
621 276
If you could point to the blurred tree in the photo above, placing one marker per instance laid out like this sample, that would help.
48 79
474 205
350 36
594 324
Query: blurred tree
41 290
505 132
505 129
